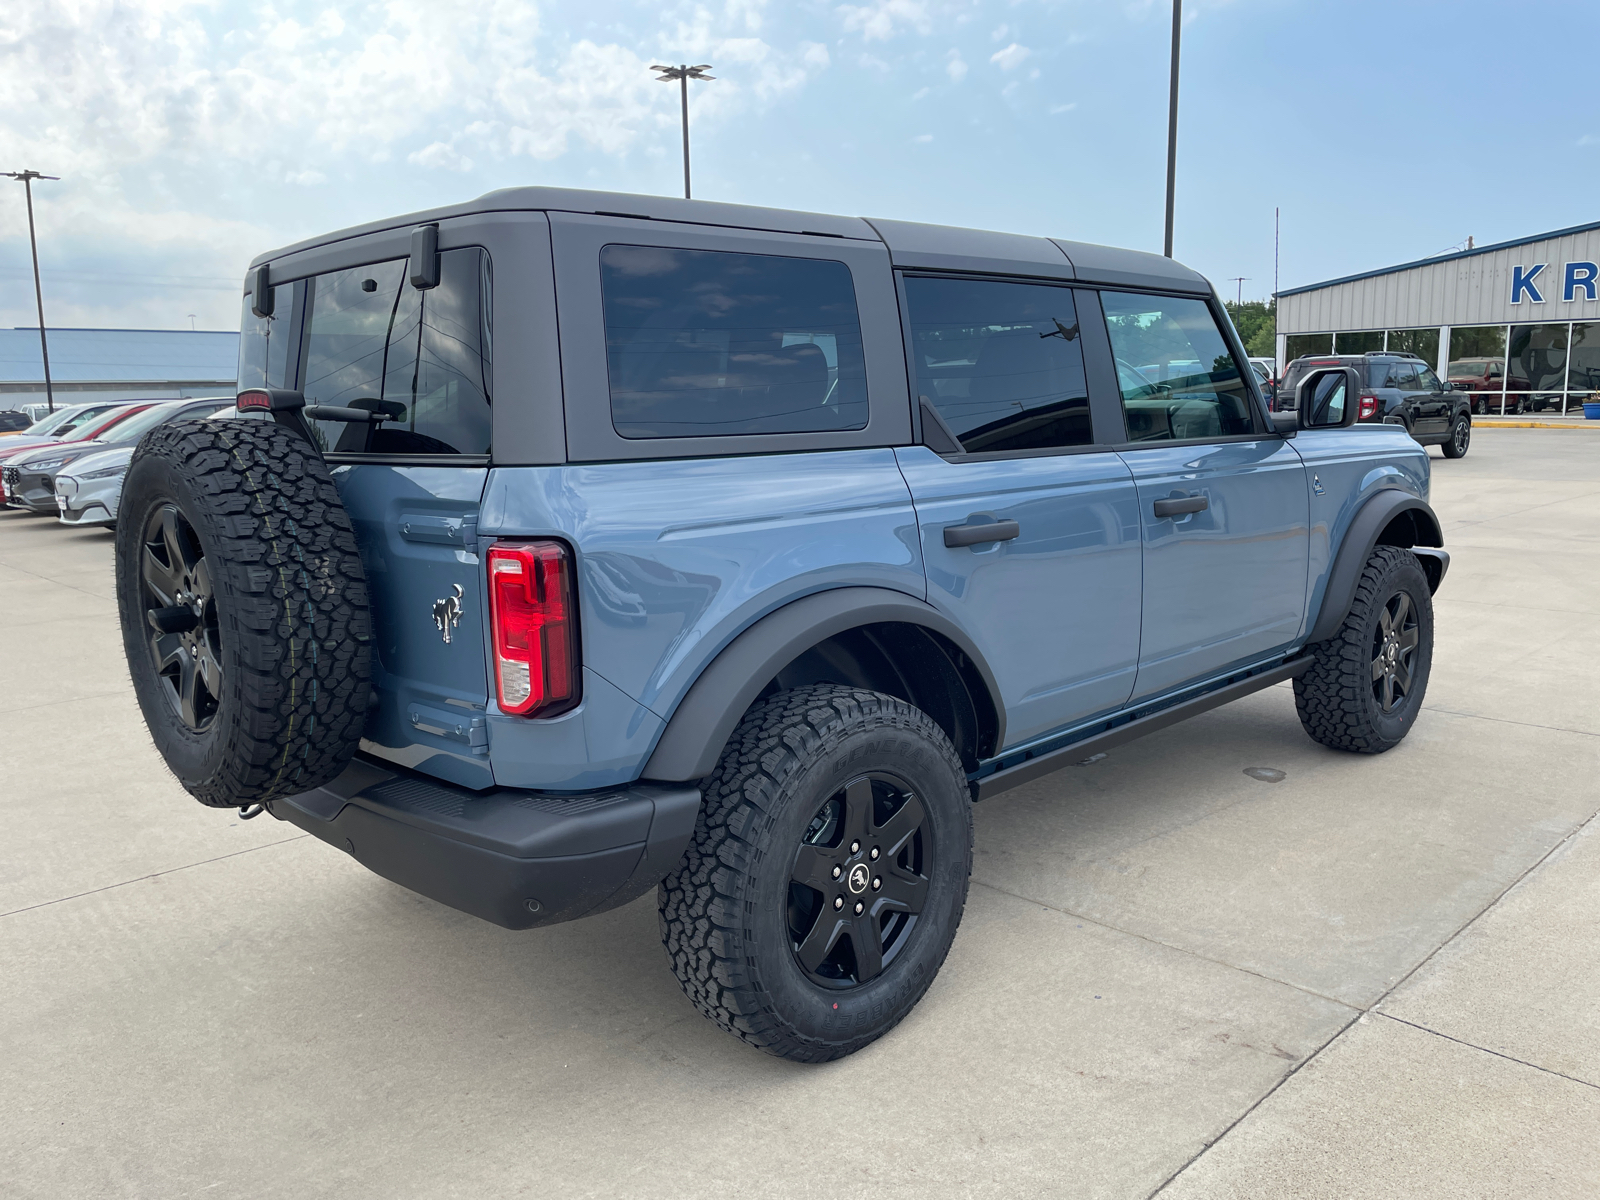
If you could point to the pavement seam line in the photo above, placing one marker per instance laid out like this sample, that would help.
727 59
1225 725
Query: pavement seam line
73 700
57 582
153 875
1265 1096
1373 1008
1508 721
1521 1062
1144 937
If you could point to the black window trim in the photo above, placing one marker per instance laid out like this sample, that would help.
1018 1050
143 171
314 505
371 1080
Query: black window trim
1100 414
1264 428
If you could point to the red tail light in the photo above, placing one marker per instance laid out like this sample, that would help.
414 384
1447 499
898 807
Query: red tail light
1369 408
534 619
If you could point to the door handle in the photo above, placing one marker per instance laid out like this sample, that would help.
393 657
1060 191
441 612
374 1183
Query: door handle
977 535
1182 505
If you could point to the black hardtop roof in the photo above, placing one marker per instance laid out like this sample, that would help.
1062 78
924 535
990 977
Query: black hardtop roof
911 245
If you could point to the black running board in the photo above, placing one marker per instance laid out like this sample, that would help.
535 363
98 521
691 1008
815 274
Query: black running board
1076 752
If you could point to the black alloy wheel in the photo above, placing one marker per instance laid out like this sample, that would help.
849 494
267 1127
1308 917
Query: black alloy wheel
180 609
860 881
1394 653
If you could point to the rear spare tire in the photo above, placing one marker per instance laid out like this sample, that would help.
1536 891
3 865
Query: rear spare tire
244 609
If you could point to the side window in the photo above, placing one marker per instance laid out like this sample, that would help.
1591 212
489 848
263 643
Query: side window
706 343
1177 376
999 364
1402 376
420 357
1427 381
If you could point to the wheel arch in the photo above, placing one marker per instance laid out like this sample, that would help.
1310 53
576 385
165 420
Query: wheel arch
857 636
1389 518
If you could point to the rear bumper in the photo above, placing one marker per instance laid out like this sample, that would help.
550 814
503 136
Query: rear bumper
512 857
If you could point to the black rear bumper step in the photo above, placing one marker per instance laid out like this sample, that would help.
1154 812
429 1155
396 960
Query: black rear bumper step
1076 752
516 858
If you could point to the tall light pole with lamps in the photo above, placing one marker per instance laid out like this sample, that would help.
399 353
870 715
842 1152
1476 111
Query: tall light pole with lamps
681 76
27 178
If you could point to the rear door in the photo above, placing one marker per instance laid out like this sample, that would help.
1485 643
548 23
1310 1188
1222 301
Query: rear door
1222 503
369 339
1433 404
1052 598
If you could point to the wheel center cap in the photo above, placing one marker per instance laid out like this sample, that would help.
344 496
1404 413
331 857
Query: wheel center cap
858 878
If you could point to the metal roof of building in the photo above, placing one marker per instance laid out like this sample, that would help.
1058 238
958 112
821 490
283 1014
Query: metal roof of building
1442 258
121 355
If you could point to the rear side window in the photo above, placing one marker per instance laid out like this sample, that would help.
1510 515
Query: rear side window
421 357
706 343
1000 364
1396 375
1178 378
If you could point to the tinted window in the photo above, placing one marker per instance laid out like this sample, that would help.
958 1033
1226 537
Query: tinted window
421 357
265 342
1397 375
702 343
1178 378
1000 363
1427 381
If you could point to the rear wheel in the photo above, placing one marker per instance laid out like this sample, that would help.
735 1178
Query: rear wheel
1455 446
827 874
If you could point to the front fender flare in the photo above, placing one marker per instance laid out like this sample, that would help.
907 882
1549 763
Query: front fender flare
707 715
1356 547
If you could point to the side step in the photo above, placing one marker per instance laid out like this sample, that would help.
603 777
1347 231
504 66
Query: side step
1076 752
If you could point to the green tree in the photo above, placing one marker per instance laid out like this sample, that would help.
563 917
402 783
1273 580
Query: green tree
1257 323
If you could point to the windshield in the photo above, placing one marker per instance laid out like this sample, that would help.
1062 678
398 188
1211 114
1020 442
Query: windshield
135 427
59 418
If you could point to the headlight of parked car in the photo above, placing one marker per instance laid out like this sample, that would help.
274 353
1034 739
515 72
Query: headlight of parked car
48 465
104 473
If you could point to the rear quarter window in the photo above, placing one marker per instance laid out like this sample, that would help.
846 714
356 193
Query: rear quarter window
707 343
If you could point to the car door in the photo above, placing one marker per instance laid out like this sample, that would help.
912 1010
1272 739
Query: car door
1223 507
1433 404
1029 529
1401 382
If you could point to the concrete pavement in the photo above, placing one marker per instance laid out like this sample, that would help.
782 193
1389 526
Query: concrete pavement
1373 978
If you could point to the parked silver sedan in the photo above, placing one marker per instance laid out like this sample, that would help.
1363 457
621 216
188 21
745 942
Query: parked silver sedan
87 493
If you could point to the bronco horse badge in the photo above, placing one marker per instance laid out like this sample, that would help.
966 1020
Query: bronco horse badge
447 613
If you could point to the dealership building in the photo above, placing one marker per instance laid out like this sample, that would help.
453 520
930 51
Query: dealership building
1517 322
94 364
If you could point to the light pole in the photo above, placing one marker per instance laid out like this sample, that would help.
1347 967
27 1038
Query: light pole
681 75
27 178
1241 280
1172 122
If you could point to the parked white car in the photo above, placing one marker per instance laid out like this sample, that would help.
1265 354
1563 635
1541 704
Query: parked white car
88 492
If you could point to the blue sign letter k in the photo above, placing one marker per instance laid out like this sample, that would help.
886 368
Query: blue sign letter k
1521 282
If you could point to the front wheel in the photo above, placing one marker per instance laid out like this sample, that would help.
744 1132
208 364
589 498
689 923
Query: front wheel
1455 446
1366 683
827 874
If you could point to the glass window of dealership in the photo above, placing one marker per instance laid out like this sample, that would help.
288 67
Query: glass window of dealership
1542 354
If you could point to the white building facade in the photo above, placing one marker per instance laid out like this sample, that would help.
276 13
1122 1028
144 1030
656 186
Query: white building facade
1520 318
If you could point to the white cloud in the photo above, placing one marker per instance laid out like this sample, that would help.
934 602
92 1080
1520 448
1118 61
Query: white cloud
1000 33
882 19
1057 109
921 93
1012 56
923 138
306 178
956 68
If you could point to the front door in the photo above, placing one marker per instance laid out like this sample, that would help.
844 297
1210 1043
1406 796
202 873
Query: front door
1052 598
1223 507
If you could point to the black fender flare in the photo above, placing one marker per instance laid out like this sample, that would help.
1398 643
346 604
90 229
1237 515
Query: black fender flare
708 713
1366 527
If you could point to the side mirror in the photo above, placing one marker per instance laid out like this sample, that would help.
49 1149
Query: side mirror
1328 399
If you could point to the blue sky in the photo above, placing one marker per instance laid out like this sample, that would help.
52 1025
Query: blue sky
191 136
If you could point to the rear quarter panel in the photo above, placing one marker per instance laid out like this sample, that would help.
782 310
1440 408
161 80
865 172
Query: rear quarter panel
675 558
1344 469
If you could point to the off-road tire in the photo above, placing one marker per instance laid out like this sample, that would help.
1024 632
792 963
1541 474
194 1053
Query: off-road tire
1335 698
1455 446
291 620
723 910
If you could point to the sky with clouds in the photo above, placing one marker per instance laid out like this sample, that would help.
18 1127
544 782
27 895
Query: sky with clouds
192 134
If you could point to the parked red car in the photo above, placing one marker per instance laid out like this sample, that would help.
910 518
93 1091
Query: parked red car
1484 380
83 433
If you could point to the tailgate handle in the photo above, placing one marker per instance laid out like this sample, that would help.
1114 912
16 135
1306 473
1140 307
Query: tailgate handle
978 535
1182 506
444 531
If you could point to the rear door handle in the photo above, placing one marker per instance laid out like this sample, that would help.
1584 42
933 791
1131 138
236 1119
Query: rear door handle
1182 506
977 535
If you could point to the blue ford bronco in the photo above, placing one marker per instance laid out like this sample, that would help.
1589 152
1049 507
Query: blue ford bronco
576 544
